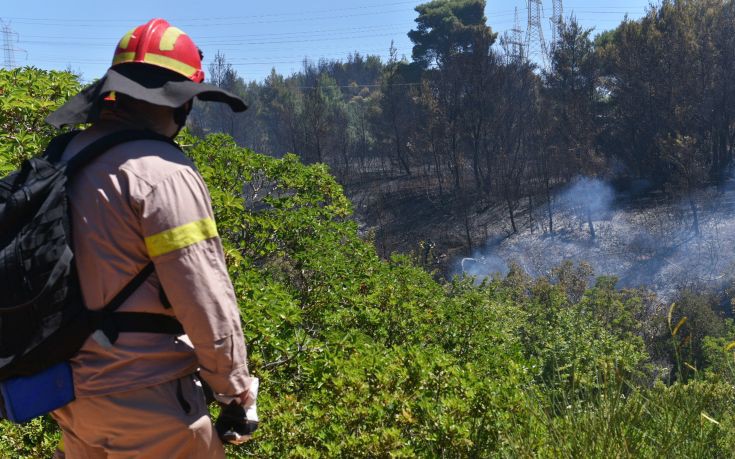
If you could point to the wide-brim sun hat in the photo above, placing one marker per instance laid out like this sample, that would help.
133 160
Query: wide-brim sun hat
155 63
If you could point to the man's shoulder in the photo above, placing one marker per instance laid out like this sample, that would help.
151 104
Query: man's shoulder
152 161
145 163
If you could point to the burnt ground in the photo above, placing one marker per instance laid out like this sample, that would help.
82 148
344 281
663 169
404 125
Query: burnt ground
645 240
408 215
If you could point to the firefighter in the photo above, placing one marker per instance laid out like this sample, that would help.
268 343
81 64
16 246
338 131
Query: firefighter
144 200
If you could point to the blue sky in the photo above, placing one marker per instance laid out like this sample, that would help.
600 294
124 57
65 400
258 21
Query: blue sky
255 36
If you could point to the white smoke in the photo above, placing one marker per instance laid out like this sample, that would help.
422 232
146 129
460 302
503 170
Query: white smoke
649 242
587 195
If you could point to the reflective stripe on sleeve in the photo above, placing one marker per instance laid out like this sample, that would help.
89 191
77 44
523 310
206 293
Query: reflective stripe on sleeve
180 237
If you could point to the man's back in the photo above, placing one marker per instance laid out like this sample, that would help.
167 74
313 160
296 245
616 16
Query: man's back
110 250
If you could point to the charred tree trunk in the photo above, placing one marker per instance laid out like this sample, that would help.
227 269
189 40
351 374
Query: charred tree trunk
476 167
318 150
455 161
695 214
345 157
548 207
530 213
512 217
589 223
437 167
465 205
401 158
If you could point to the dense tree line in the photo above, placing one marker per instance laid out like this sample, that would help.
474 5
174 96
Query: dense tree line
651 101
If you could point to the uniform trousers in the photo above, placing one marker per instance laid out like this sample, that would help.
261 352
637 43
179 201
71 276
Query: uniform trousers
168 420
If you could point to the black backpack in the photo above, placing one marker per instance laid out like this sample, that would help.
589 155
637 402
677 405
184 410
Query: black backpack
43 320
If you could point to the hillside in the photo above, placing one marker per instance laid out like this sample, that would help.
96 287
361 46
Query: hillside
647 239
468 140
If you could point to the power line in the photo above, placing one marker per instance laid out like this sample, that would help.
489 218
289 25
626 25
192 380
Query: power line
200 38
300 14
101 22
96 22
242 60
348 86
261 46
238 22
534 28
340 56
228 43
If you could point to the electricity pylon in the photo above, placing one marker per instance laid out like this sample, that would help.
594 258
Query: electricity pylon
535 43
557 17
8 48
516 39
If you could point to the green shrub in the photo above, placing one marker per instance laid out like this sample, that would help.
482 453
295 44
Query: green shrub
683 420
27 96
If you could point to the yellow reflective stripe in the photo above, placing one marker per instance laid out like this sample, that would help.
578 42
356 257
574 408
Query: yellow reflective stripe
123 57
169 37
125 40
169 63
180 237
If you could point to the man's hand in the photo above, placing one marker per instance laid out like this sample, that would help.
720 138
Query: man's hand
239 418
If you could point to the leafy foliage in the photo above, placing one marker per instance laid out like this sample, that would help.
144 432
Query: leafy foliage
445 28
27 96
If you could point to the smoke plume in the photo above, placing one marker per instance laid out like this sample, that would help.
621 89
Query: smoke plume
644 241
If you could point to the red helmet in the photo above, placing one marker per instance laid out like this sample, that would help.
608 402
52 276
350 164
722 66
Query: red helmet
158 43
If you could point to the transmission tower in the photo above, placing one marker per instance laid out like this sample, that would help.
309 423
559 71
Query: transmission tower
535 44
8 47
557 17
516 39
512 42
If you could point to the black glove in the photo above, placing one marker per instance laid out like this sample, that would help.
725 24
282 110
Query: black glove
235 424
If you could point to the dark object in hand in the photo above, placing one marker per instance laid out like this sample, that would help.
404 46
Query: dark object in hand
233 425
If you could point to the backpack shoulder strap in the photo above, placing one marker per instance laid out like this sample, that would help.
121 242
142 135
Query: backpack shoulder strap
58 144
100 146
128 290
112 323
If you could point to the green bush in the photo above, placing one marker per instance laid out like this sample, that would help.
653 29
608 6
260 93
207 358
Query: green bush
358 356
27 96
683 420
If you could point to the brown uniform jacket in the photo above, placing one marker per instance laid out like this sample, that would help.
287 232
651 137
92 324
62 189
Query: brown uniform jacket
142 201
